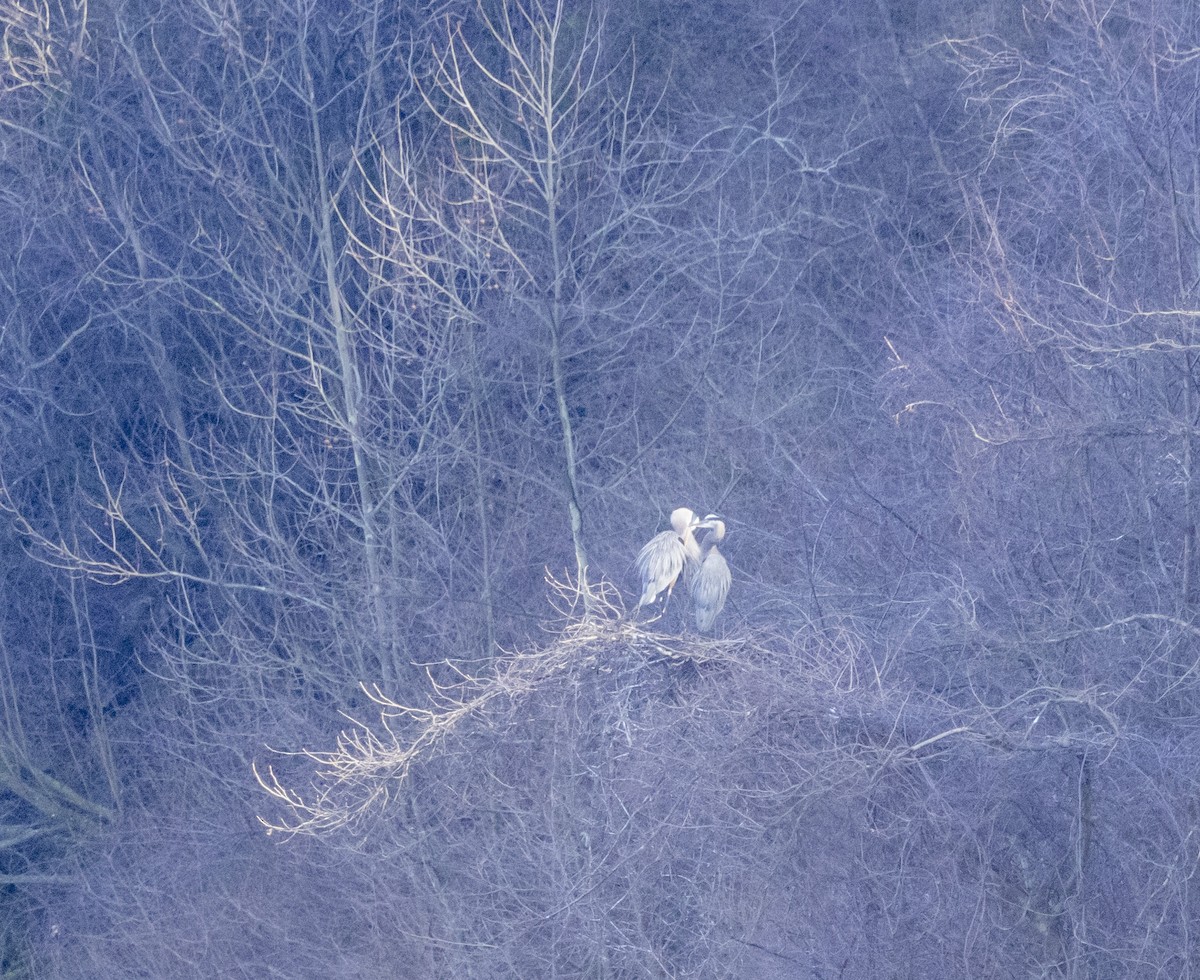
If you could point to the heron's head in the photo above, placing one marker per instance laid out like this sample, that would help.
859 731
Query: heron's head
714 523
682 519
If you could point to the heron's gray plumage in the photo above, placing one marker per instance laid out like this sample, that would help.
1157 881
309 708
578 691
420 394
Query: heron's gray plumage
711 579
662 560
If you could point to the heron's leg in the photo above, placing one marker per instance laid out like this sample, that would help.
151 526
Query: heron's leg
658 615
667 600
655 616
637 611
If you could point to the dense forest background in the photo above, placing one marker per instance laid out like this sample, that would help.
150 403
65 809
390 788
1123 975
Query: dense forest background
351 349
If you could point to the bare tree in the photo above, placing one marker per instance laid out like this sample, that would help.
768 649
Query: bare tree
1048 372
311 418
545 192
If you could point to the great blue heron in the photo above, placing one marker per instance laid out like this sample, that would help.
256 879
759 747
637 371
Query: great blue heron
710 580
665 554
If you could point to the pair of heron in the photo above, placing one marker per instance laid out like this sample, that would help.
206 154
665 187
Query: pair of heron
669 554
